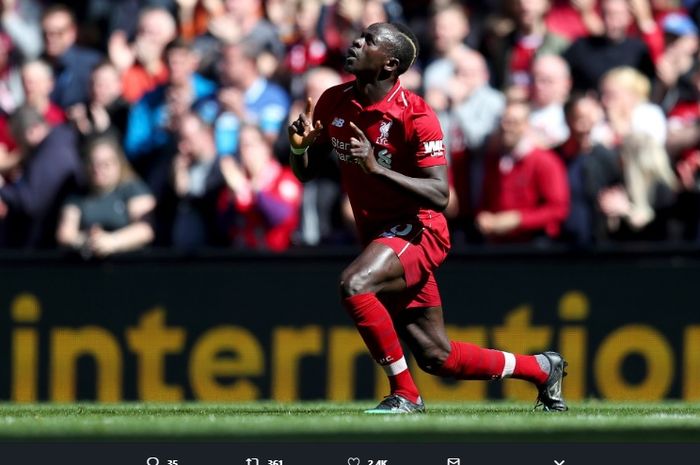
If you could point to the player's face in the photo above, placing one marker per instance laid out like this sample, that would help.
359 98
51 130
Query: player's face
368 52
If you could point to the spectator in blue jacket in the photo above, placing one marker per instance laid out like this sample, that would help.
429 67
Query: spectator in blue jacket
247 97
71 63
155 116
150 141
51 170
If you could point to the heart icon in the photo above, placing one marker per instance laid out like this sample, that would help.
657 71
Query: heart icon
353 461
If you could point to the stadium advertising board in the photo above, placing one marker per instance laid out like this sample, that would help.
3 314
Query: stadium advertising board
272 328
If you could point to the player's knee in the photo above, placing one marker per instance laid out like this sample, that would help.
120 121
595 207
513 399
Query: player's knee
352 283
431 360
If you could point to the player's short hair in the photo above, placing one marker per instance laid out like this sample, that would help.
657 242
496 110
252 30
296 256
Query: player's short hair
404 46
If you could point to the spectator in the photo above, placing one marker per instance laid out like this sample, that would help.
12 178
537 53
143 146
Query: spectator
674 67
642 207
194 16
262 201
551 85
624 93
526 194
38 85
242 21
10 157
149 128
106 112
512 55
320 214
197 182
683 142
141 63
305 49
50 172
20 21
683 145
111 216
591 57
476 107
590 167
574 19
475 112
247 97
71 63
11 92
449 28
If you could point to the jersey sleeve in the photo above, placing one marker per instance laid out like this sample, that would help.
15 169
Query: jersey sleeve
426 136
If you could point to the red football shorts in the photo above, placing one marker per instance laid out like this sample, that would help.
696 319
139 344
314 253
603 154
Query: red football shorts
421 246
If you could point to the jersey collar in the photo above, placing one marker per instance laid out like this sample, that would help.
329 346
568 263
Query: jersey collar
393 103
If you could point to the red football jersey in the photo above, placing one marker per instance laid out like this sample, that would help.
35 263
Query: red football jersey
406 136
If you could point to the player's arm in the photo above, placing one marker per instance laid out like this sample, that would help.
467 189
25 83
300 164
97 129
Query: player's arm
302 135
432 188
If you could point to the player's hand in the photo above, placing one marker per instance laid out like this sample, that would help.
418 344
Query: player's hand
301 132
362 151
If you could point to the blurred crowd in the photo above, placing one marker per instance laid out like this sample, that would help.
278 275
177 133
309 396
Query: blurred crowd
128 123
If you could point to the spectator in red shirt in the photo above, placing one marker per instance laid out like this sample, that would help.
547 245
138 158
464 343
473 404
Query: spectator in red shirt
38 83
526 193
306 48
141 63
574 18
265 196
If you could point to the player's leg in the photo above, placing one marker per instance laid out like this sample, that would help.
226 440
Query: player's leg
423 330
378 269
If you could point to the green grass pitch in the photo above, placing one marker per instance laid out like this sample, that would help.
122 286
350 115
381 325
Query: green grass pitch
324 421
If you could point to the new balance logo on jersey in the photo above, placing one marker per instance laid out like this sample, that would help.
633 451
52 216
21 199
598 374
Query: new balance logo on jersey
434 148
338 122
383 138
384 158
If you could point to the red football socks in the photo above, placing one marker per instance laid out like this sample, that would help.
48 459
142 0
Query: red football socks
377 330
469 361
527 368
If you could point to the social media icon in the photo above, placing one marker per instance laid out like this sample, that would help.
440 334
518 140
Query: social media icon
152 461
454 461
252 461
353 461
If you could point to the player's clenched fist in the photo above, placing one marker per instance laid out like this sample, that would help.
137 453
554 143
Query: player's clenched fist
362 151
301 132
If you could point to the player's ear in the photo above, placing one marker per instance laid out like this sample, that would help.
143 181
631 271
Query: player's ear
391 64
